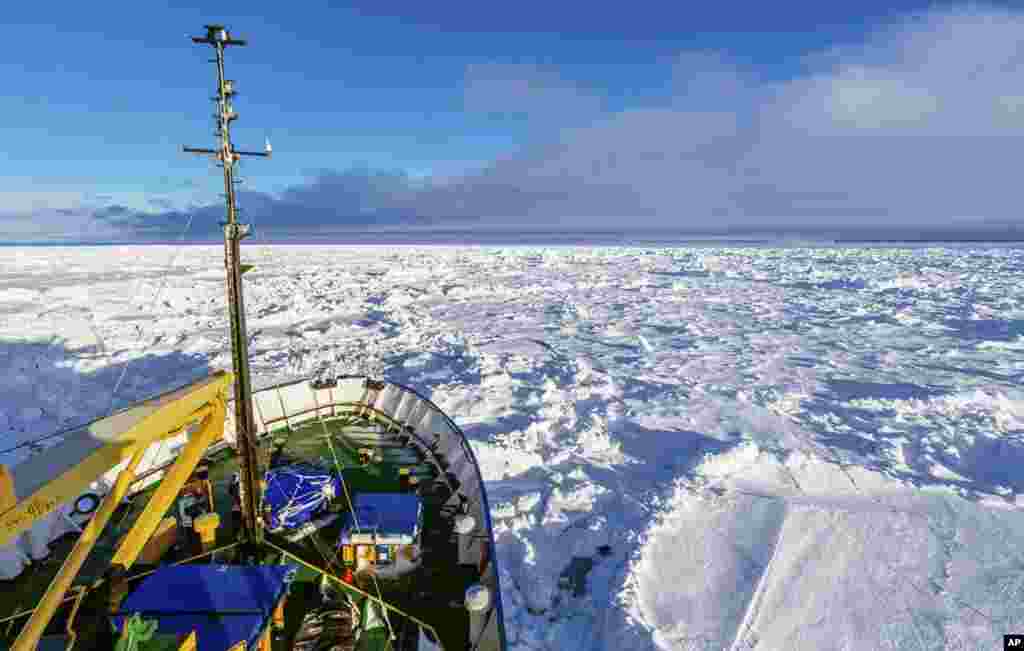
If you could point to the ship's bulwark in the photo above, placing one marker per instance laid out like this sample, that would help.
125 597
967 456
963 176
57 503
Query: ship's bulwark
429 430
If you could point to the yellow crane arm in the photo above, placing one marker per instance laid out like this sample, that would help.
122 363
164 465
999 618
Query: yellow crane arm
76 463
38 485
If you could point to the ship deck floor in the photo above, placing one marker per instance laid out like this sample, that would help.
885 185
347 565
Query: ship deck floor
433 594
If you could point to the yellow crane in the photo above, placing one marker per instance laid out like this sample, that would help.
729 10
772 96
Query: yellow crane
36 487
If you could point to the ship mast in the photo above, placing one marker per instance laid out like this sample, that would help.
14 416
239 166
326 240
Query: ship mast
252 531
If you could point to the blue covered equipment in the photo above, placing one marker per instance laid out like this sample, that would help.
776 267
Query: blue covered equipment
297 493
223 604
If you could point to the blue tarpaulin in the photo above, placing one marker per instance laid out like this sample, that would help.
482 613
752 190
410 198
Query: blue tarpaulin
186 598
385 514
297 493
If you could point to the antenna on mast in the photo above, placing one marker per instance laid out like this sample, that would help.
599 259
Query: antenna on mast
218 37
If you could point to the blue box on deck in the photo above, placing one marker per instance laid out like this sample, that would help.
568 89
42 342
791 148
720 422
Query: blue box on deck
383 519
186 598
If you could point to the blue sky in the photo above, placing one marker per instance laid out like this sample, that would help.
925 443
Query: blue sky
570 115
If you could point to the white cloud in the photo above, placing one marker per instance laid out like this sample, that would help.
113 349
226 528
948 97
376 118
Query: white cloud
47 224
532 91
920 126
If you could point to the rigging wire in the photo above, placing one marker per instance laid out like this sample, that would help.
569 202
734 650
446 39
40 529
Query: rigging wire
355 521
45 437
113 396
328 562
291 508
174 258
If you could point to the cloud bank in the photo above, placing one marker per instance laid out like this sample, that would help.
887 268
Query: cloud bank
919 128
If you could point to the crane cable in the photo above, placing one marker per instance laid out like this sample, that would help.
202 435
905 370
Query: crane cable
355 521
124 369
174 259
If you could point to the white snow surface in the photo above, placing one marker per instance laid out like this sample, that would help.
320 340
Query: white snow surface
783 448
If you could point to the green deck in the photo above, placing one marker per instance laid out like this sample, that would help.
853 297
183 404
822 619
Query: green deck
306 443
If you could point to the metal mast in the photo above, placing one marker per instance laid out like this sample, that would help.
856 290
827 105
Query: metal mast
218 37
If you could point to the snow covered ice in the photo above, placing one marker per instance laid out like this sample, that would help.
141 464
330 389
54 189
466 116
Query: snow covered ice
782 448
